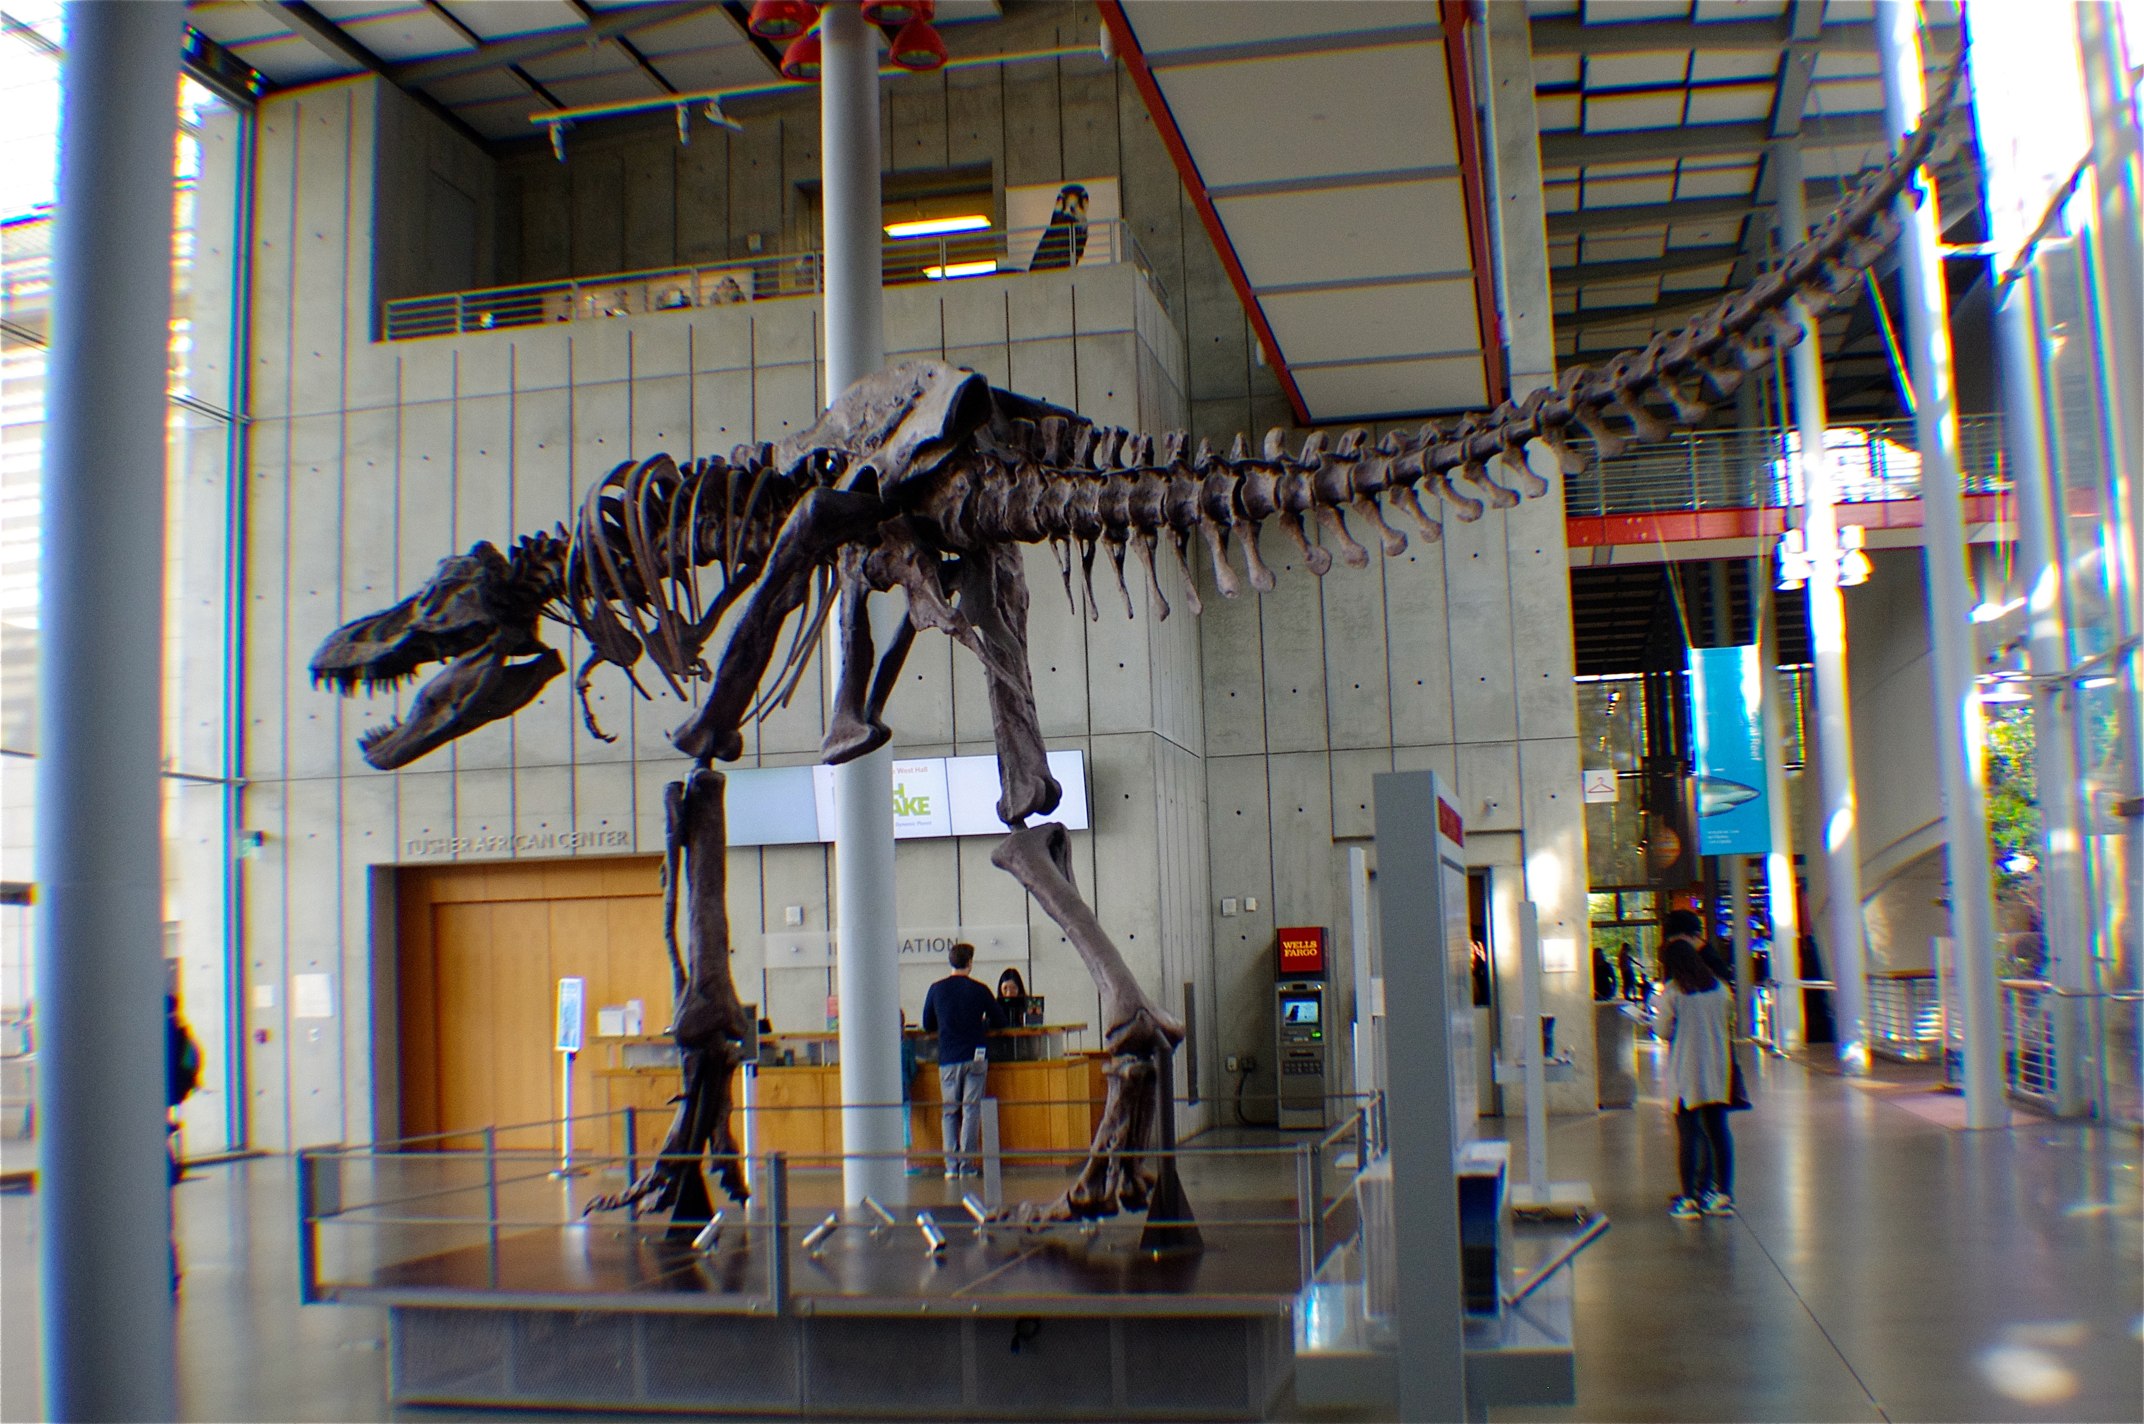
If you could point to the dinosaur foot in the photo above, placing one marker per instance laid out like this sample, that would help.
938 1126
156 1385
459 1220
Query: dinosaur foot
1121 1173
674 1181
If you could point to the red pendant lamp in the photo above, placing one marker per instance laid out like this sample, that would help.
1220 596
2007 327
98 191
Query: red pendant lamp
918 47
898 12
781 19
803 59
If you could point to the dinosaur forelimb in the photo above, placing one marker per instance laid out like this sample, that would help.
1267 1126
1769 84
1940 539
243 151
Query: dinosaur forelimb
820 523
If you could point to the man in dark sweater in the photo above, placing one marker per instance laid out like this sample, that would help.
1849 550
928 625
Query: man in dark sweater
962 1013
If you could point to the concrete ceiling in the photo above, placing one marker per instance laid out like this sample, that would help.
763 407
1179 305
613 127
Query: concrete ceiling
487 64
1321 146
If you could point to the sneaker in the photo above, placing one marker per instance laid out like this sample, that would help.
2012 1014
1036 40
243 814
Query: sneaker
1719 1204
1685 1209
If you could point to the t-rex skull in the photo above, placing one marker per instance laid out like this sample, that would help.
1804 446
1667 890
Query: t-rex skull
477 613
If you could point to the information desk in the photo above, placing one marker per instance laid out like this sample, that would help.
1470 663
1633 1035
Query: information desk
1045 1104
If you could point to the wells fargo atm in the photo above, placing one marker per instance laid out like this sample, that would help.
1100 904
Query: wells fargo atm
1300 1020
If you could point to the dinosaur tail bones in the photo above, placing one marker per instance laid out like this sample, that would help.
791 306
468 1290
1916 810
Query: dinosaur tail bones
1068 482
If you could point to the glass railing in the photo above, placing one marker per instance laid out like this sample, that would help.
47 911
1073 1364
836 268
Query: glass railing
766 277
1873 461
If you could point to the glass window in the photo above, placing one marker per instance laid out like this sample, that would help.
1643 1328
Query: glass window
208 173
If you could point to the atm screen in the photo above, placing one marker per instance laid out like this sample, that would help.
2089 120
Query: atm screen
1299 1011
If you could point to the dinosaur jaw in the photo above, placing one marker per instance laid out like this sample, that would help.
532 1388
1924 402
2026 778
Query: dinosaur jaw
475 689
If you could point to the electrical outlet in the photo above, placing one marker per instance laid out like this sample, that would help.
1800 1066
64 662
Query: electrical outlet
1248 1063
1230 1063
1250 904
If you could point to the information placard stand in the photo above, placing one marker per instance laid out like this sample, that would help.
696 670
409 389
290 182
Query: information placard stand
1537 1196
572 995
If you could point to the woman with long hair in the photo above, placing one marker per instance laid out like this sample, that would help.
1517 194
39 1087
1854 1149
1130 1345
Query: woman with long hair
1695 1009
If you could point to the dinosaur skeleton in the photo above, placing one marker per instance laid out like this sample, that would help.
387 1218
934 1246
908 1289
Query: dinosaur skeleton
925 479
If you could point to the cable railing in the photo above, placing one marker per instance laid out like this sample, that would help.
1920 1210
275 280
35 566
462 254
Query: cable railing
764 277
1872 462
406 1222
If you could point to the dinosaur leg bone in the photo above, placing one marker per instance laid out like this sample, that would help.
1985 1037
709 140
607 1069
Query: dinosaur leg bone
992 624
1139 1034
710 1025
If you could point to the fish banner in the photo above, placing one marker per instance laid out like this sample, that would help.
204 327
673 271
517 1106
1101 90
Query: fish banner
1732 815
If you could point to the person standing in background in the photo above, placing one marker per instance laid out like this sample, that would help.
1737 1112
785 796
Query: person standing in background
1694 1012
962 1013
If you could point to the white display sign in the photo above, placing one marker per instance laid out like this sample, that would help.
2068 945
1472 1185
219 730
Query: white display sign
572 995
1559 956
933 797
1600 784
920 806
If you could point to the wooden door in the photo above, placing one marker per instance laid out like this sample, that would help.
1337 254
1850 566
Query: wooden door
480 951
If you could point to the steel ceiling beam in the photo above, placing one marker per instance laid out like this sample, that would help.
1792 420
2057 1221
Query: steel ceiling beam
527 80
1664 145
1679 259
547 42
625 47
325 35
1563 36
1589 222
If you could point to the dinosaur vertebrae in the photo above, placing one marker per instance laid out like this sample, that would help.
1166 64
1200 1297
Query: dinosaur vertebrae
1072 484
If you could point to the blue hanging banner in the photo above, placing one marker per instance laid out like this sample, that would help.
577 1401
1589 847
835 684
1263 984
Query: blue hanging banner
1733 817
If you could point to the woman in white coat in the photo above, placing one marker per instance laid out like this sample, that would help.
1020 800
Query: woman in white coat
1694 1011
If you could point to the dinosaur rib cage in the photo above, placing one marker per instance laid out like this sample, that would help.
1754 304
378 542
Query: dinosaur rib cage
641 538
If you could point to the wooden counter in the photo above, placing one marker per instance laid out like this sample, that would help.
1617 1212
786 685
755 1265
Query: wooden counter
1047 1105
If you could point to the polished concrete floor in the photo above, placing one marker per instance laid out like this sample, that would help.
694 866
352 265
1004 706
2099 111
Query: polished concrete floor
1886 1266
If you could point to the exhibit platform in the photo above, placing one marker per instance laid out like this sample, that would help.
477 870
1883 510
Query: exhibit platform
1062 1324
500 1292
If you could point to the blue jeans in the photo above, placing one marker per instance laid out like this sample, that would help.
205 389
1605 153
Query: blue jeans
960 1090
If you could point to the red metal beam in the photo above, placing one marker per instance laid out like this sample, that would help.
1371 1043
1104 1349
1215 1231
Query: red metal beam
1593 531
1172 138
1453 17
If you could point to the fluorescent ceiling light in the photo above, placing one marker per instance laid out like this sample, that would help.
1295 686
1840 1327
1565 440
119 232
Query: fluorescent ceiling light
962 269
933 227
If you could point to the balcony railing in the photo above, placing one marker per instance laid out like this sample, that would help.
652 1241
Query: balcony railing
1871 462
754 279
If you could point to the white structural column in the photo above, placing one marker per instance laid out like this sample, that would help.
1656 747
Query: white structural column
103 1188
2065 918
1960 735
868 976
1781 896
1844 947
2117 253
1537 578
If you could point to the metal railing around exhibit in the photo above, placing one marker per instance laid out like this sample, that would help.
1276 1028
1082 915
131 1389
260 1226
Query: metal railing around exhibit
744 280
1872 462
462 1216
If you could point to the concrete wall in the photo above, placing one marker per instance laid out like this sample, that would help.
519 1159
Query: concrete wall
1244 741
371 461
434 207
1454 656
632 198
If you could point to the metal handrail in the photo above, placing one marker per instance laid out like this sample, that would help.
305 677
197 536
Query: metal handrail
734 282
1752 469
1560 1258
